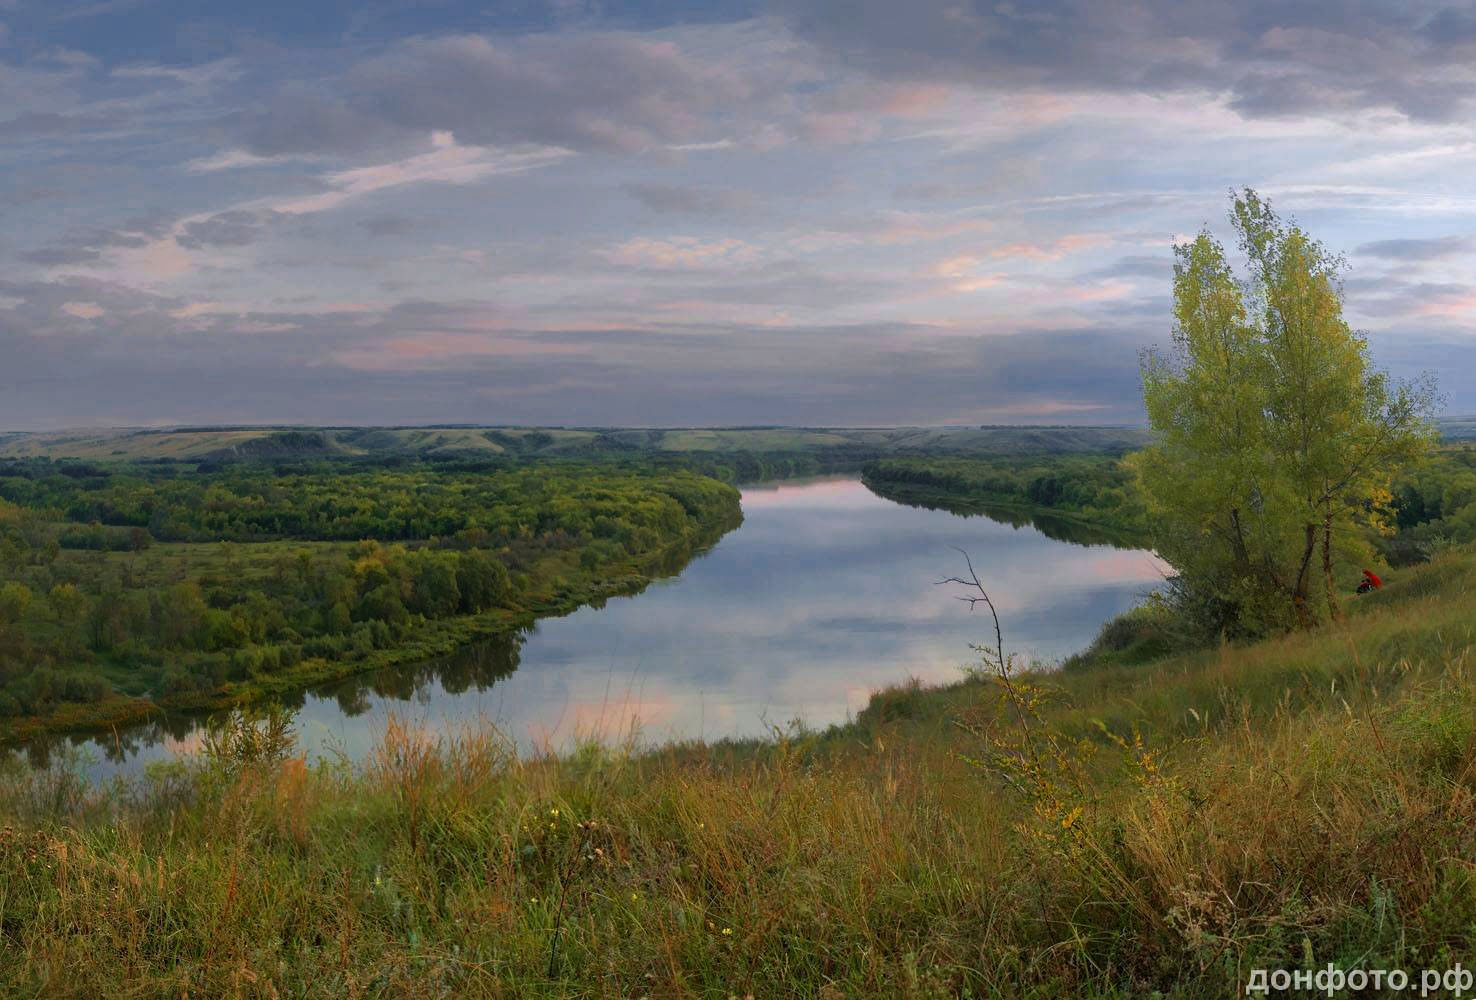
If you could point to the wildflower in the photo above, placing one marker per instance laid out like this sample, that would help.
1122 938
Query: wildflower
727 932
553 812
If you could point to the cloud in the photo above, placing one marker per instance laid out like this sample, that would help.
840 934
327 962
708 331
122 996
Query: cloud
1159 269
36 123
1268 58
1053 250
297 123
1432 300
448 162
83 310
86 246
234 159
61 256
228 229
1434 248
682 199
391 225
580 90
682 253
119 355
897 213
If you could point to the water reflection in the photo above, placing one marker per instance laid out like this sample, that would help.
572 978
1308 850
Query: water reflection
825 593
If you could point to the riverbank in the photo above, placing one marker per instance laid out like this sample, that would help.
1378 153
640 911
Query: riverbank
1282 805
1087 493
1067 526
561 586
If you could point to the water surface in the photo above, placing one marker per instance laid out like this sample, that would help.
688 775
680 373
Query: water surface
825 593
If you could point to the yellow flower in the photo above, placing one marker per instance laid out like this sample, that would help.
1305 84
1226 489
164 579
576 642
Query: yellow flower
728 931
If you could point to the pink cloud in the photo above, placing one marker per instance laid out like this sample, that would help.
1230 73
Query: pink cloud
915 100
1450 306
1054 250
682 253
437 350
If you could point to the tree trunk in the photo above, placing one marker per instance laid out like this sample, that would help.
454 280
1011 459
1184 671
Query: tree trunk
1237 538
1299 592
1334 610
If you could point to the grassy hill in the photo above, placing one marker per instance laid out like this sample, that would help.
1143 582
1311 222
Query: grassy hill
1458 428
1113 830
195 444
206 443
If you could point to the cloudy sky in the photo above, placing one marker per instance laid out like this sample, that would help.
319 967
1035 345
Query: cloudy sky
683 212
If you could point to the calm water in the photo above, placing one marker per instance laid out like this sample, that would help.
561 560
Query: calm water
825 593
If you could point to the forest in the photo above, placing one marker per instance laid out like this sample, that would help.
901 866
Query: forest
1432 507
1093 487
127 586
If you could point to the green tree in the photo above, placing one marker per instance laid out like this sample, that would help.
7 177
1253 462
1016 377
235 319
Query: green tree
15 598
67 603
481 580
338 619
435 593
1276 437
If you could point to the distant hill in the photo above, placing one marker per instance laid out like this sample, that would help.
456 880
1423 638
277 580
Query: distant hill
1458 428
234 443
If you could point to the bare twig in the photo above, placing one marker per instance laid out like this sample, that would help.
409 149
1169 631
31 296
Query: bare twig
1001 665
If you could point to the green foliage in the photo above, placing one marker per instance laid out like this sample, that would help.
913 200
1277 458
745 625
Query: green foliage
187 586
247 739
1435 505
1095 488
15 598
1275 436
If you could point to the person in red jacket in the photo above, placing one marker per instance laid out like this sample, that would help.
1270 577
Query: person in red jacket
1370 582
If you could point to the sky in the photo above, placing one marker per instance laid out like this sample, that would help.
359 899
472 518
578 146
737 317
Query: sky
675 213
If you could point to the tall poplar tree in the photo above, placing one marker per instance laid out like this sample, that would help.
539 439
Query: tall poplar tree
1276 438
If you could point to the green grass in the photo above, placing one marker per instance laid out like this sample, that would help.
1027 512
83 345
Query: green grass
1306 800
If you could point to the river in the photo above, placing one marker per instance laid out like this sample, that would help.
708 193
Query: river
825 593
